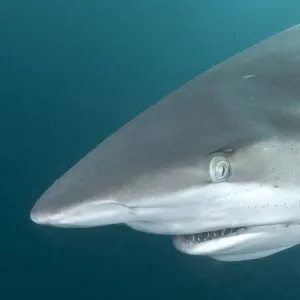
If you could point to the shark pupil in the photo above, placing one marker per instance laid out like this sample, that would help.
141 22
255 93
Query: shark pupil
221 171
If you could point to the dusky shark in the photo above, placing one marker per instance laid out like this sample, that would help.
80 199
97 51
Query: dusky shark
215 164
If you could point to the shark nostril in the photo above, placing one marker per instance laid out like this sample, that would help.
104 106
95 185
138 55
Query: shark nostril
219 169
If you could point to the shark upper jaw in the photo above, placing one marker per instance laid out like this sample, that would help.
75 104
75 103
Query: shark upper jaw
222 206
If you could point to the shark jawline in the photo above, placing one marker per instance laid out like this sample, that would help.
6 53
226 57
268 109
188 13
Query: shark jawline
206 236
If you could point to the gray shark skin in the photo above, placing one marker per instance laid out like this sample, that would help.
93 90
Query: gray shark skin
215 164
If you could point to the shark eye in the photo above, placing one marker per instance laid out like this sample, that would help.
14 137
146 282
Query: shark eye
219 169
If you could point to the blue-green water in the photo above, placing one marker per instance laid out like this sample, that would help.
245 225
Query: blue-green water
71 73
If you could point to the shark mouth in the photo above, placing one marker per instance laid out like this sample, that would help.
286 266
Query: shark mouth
202 237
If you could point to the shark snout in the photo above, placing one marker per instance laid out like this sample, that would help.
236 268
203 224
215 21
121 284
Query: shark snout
37 217
86 214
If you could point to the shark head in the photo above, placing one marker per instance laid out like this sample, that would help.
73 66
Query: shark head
215 164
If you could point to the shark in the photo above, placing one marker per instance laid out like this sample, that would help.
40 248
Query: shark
214 165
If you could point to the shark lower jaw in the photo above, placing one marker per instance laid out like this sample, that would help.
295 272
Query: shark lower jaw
240 243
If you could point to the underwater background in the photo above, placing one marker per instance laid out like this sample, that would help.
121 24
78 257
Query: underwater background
71 73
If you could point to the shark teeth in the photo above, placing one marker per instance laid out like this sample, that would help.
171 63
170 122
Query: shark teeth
210 235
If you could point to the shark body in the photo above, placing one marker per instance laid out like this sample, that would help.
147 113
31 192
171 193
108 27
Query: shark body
215 164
